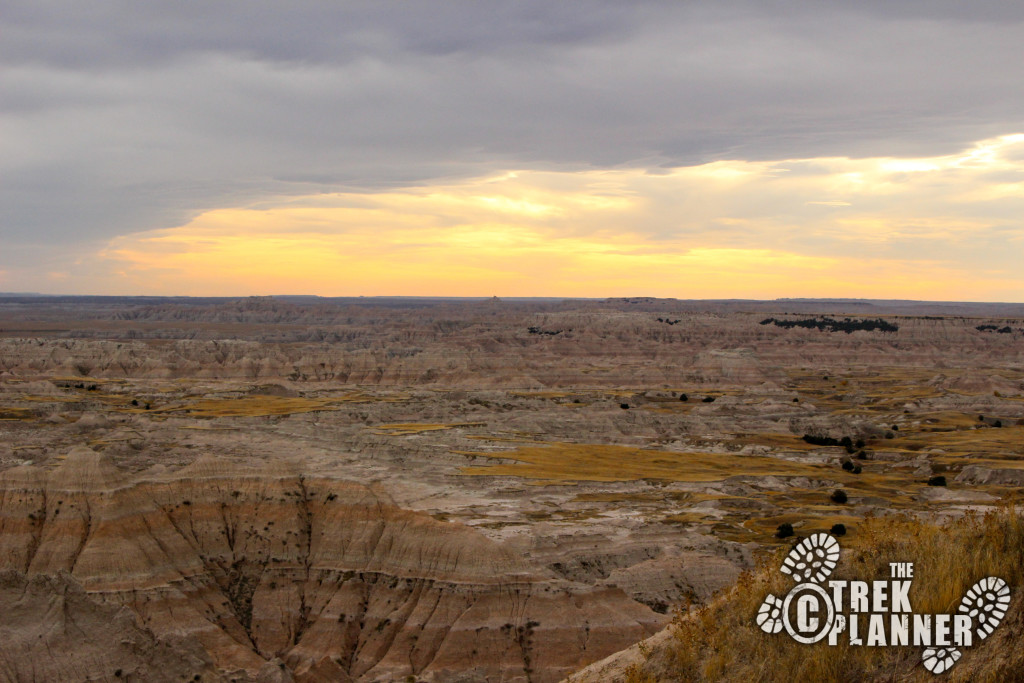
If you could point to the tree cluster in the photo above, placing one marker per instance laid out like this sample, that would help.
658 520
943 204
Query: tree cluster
828 324
994 328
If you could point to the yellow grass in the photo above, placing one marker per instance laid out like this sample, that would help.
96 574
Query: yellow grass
502 439
1002 443
540 394
16 414
254 406
721 641
561 461
405 428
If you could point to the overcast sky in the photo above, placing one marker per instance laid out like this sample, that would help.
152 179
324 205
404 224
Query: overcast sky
518 148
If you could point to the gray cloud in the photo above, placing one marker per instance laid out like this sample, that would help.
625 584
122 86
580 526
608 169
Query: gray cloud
121 117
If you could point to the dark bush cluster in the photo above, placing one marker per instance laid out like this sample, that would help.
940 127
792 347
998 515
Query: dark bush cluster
537 330
994 328
708 399
838 530
838 496
785 530
684 397
828 324
937 480
668 322
846 442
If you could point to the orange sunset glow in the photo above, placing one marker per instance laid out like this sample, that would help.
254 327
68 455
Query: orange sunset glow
832 227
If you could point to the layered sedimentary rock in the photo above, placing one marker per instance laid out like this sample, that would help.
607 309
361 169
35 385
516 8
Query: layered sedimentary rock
52 630
617 455
255 565
646 344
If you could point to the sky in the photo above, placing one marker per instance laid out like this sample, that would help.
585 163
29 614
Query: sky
591 148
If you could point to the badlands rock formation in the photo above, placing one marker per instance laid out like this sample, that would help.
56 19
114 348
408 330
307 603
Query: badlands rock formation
52 630
293 490
257 565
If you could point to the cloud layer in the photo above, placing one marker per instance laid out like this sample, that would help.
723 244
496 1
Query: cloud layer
931 227
120 119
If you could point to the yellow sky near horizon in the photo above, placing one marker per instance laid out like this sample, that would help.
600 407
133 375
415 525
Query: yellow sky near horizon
941 228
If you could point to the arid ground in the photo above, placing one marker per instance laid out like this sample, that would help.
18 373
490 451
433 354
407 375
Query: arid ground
277 489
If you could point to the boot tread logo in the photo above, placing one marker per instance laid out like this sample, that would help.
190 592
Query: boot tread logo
876 613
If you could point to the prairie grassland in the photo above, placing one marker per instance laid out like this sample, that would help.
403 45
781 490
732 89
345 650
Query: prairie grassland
540 394
254 406
1006 443
264 405
560 461
881 388
406 428
721 641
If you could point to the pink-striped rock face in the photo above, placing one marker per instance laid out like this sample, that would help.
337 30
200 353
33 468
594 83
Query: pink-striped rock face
254 564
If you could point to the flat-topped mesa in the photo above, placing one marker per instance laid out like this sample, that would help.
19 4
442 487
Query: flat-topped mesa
327 575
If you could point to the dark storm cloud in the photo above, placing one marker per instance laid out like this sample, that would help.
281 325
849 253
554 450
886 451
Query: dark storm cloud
123 116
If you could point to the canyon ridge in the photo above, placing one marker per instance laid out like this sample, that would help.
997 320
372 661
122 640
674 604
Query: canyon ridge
427 490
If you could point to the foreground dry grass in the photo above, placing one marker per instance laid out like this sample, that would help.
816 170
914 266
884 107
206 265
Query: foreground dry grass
721 642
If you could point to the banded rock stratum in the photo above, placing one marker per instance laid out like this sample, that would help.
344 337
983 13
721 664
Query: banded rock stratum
244 567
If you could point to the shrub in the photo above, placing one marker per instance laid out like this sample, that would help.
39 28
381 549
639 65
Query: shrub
684 397
997 423
857 469
937 480
709 399
838 496
848 465
860 443
624 406
890 435
785 530
820 440
838 530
